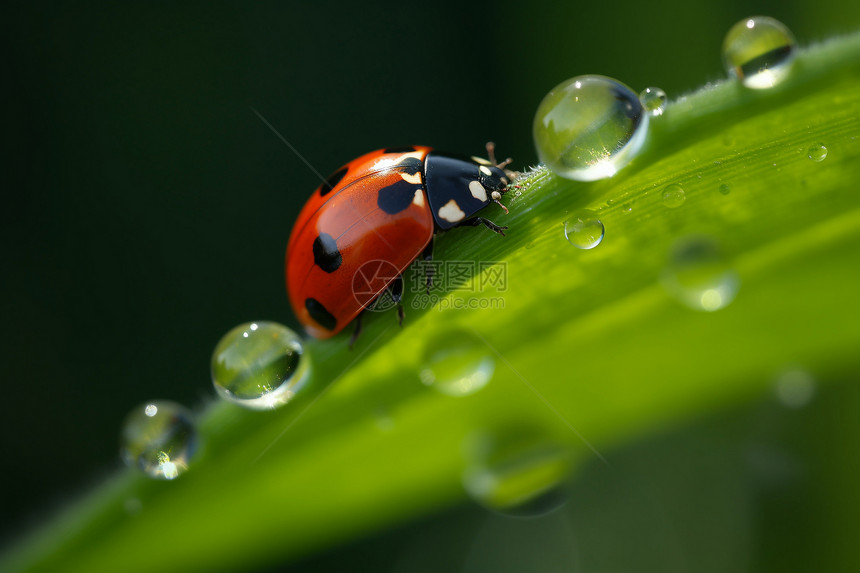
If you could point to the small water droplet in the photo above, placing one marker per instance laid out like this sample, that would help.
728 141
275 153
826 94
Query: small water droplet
674 196
589 127
653 100
456 363
159 439
584 230
759 51
817 152
521 472
725 189
259 365
795 388
700 276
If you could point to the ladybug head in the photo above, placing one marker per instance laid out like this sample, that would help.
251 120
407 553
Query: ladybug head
496 181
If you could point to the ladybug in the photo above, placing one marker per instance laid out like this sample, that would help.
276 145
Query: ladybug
371 219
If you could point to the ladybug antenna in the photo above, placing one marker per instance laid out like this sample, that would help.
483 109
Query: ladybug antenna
491 154
495 196
491 151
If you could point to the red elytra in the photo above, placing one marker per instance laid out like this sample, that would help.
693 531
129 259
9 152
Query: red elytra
371 219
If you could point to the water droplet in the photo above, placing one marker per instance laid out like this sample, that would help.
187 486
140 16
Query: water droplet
795 388
584 230
817 152
457 363
521 472
259 365
700 276
159 439
653 100
589 127
725 189
674 196
759 51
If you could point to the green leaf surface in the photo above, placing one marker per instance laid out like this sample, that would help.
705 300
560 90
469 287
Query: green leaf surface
590 346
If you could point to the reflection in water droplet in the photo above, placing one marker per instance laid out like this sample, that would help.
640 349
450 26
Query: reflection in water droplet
589 127
674 196
259 365
700 276
159 439
759 51
653 100
520 472
725 189
795 388
457 363
584 230
817 152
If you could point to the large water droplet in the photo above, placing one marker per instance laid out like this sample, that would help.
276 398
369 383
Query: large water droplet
457 363
700 276
759 51
817 152
725 189
520 472
259 365
589 127
159 439
674 196
584 230
653 100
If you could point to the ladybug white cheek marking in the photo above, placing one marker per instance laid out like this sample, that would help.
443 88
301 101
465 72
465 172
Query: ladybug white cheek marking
485 170
419 198
414 178
451 212
477 190
480 160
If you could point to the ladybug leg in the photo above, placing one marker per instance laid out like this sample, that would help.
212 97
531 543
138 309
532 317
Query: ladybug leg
429 271
356 331
395 291
475 221
491 155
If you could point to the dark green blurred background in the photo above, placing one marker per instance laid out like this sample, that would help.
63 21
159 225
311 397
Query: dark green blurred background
146 208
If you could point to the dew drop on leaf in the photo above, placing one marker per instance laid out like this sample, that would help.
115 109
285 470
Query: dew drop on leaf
653 100
520 472
759 51
456 363
259 365
817 152
674 196
159 439
589 127
584 230
699 275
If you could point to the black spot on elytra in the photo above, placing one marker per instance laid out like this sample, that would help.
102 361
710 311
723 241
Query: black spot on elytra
397 196
332 181
402 149
320 314
410 165
326 255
